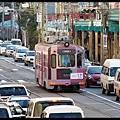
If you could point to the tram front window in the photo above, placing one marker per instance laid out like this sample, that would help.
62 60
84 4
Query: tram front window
66 60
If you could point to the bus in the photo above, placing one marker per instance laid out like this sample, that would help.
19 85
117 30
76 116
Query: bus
52 73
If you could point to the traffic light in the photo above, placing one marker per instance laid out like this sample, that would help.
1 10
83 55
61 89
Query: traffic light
88 10
83 11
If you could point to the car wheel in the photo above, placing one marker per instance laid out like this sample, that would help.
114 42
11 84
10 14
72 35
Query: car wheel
107 92
25 64
15 60
103 90
117 98
87 84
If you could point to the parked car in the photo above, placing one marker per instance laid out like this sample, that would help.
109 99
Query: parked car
19 52
22 100
9 50
6 90
3 47
62 111
92 75
29 57
11 110
42 103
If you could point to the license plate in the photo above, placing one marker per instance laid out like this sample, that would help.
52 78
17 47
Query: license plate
98 82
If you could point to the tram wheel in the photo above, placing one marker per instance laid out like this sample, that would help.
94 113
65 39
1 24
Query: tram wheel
103 91
117 98
59 88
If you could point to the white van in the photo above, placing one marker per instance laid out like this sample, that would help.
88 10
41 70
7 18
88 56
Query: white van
117 84
62 111
37 105
108 71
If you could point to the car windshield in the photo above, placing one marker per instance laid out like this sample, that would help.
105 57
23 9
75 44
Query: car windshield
22 103
8 91
113 71
94 70
31 53
65 115
10 47
3 113
16 42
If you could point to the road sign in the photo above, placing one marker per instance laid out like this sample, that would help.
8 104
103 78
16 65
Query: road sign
81 3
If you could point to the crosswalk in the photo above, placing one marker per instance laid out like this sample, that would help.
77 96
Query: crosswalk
16 81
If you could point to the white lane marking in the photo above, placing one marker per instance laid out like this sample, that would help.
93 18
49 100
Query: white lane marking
3 81
1 69
21 81
18 65
102 97
14 69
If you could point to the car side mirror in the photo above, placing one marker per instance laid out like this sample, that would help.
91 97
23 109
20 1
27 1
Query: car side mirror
29 92
24 112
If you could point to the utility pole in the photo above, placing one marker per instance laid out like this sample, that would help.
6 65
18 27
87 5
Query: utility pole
3 14
3 21
42 21
12 20
69 18
46 17
119 30
39 20
63 17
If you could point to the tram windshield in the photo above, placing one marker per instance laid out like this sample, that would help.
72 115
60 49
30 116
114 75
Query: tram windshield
66 60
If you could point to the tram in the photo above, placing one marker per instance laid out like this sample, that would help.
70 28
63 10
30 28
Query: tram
59 65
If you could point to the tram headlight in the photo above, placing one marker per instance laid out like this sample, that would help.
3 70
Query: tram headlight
66 44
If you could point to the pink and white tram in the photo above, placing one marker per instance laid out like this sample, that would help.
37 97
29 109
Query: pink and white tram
50 72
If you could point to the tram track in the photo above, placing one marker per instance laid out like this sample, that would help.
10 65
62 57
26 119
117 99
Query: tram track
78 101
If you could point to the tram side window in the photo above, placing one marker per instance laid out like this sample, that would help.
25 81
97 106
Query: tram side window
79 60
53 61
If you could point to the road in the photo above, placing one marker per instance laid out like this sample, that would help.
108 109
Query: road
91 100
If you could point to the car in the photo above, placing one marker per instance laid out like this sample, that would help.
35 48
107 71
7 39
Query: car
29 57
11 110
107 76
92 75
19 52
44 102
86 63
22 100
6 90
62 111
9 50
16 41
3 47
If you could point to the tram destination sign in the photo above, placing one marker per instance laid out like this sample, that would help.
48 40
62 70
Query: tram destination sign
66 51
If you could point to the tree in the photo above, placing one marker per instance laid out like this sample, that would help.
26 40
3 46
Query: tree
27 21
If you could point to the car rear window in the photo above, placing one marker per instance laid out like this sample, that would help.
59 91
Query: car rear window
8 91
48 103
3 113
65 115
